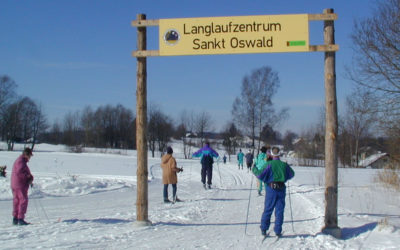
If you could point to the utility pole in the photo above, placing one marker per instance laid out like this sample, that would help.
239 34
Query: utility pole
331 131
141 129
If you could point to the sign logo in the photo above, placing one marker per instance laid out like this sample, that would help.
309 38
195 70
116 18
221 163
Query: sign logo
171 37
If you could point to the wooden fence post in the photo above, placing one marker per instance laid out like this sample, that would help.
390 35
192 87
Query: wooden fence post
331 131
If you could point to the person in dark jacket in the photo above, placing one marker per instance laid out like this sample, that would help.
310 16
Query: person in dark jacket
207 155
21 179
274 174
249 160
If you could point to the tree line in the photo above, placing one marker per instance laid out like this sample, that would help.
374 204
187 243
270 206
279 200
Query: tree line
369 123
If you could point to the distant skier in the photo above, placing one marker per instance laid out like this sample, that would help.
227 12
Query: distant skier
169 169
206 155
249 160
240 156
224 158
3 172
21 179
274 174
259 163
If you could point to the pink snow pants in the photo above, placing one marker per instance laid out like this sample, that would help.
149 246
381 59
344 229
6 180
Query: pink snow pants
20 202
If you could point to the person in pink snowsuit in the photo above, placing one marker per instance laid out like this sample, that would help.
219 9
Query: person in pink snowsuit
21 179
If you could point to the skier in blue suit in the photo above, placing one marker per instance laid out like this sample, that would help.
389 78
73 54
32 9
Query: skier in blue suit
206 155
274 174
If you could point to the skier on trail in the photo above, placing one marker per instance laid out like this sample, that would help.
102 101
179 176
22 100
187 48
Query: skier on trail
3 171
240 156
249 160
206 155
224 158
169 169
21 179
258 164
274 174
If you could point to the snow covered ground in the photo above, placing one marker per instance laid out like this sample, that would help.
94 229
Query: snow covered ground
87 201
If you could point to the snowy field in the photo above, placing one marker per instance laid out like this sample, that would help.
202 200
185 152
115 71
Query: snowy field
87 201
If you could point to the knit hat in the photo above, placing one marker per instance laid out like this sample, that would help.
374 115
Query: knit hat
263 149
169 150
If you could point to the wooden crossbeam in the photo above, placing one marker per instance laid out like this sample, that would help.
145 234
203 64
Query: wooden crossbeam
322 17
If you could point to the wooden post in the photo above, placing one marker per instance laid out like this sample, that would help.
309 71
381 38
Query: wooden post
331 131
141 130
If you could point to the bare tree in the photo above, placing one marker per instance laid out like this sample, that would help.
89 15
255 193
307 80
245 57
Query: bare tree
7 90
231 137
38 124
377 57
71 129
12 124
254 107
7 95
359 118
159 130
88 124
187 124
23 121
288 139
203 124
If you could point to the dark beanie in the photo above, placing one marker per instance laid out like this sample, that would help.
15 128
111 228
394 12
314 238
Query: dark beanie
263 149
169 150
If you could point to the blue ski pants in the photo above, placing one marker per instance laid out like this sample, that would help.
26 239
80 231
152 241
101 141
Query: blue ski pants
206 170
274 199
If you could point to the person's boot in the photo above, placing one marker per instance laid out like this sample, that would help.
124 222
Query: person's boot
209 186
15 221
21 222
176 199
263 232
204 186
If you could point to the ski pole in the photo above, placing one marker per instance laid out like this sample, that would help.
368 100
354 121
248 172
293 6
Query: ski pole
190 173
40 204
248 205
219 172
291 211
37 211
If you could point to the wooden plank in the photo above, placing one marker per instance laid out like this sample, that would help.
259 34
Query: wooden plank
324 48
145 53
322 17
311 17
145 23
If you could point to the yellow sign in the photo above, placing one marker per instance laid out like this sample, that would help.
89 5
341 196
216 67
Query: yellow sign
234 35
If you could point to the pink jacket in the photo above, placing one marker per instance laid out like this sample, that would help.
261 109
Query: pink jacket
21 176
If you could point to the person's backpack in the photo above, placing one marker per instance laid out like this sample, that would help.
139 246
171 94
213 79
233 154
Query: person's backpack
207 160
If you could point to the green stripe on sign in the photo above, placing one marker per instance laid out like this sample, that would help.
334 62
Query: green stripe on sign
296 43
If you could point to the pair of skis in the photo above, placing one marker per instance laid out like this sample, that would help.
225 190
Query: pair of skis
276 238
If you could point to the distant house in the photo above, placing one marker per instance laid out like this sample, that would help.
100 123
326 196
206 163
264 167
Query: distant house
379 160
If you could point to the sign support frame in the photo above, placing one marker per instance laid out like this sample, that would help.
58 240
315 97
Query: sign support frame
331 117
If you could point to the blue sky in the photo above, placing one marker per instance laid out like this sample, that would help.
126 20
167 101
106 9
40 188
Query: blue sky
68 54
